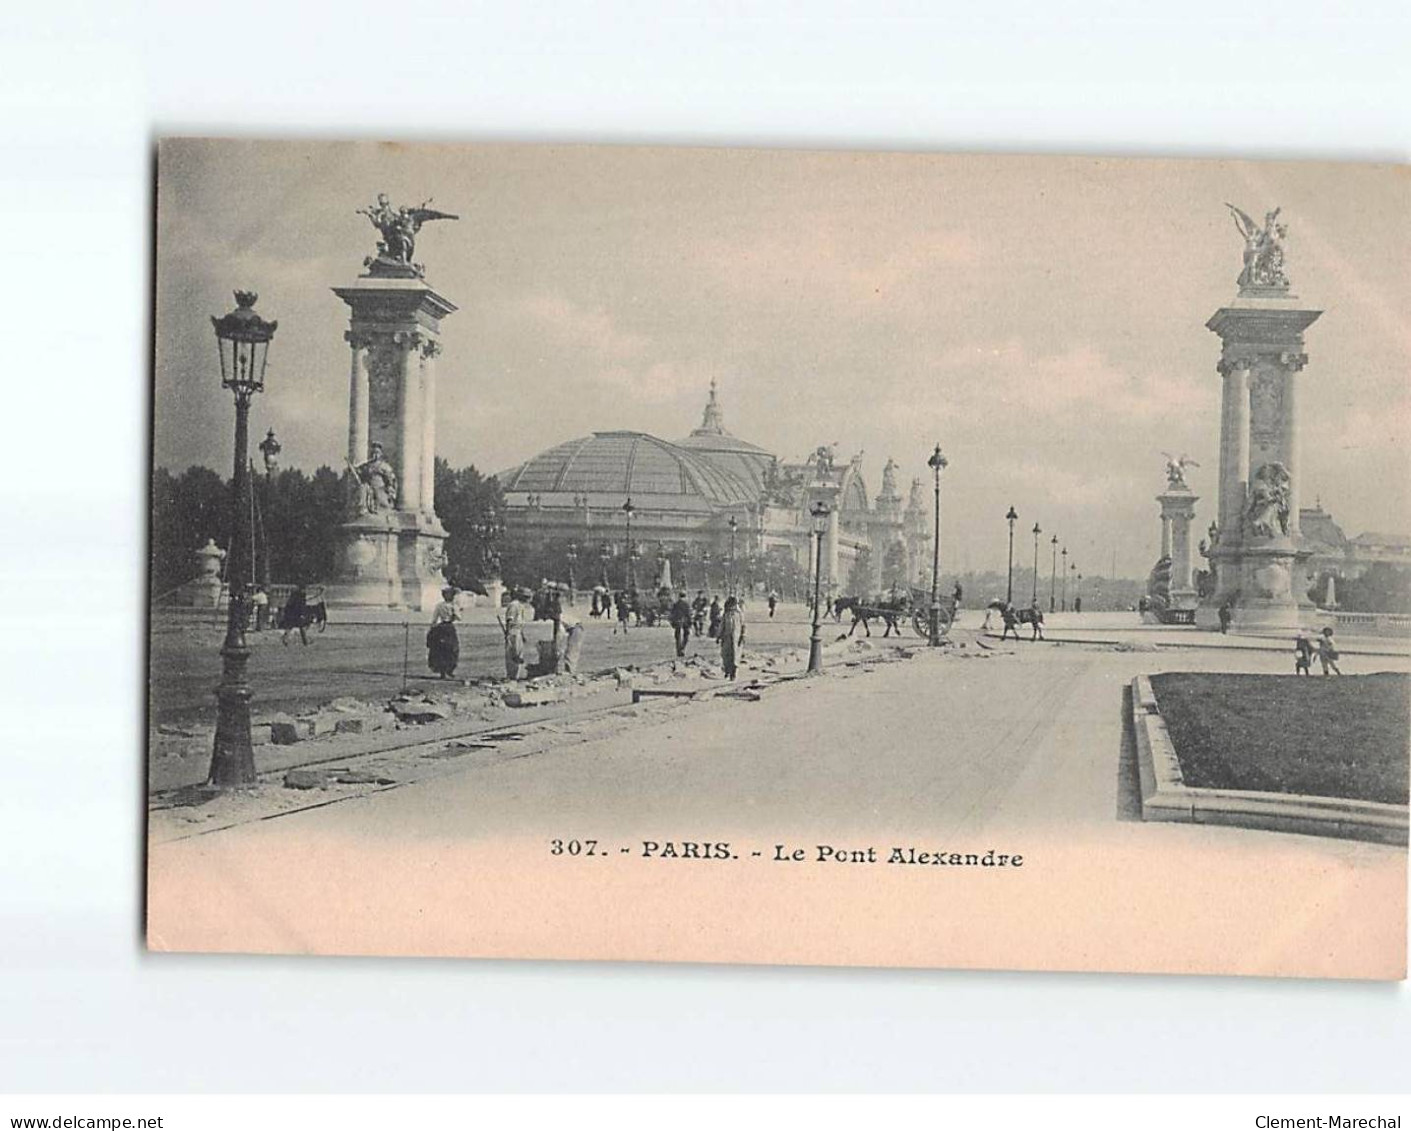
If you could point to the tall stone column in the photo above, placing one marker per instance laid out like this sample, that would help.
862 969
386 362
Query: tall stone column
430 350
390 551
1177 511
357 398
409 423
1257 553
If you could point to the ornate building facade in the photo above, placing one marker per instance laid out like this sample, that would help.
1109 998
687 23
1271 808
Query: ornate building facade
714 506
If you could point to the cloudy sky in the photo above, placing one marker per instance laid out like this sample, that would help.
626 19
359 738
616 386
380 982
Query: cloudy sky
1043 319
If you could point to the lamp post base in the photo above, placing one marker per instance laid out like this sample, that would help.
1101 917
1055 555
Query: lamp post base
935 640
233 756
815 653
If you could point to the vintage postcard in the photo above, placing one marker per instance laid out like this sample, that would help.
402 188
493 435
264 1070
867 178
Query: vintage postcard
724 555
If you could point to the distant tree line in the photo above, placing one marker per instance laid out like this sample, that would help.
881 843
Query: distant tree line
294 517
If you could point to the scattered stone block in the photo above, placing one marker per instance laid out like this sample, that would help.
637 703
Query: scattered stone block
363 777
306 779
533 697
284 731
419 712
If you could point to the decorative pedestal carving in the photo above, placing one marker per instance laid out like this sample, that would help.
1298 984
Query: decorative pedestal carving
391 547
1256 553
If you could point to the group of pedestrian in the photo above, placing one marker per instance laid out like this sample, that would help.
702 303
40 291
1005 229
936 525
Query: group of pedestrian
1326 647
724 623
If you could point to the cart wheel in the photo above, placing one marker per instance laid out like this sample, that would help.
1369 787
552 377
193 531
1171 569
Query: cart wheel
919 619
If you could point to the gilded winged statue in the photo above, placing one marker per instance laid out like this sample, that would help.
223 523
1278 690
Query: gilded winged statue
399 227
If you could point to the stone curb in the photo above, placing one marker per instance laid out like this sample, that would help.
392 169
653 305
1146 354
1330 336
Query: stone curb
1166 797
1246 645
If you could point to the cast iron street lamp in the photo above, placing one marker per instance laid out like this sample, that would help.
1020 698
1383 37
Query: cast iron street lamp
1037 532
705 569
572 558
627 509
604 553
1063 602
1009 583
1053 574
730 585
935 463
819 511
243 338
269 450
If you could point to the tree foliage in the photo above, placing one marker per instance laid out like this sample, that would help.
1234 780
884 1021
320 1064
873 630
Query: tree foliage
471 507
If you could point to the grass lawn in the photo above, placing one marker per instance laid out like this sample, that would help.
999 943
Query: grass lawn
1339 736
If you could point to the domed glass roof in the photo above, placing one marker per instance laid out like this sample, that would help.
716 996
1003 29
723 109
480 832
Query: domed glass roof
619 464
748 462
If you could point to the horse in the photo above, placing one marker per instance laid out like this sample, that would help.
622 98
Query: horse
888 609
1014 617
314 615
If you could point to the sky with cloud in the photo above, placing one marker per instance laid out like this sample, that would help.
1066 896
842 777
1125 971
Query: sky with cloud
1042 318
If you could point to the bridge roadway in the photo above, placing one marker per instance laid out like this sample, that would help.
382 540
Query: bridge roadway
365 660
1025 752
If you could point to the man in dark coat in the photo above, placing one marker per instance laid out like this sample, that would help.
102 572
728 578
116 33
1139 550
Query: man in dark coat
680 617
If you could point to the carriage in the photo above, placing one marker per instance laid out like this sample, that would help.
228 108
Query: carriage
894 607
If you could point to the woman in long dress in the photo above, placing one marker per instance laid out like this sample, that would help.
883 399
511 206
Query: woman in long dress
443 646
732 636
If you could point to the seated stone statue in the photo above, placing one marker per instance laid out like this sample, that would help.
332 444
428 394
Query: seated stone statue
1268 511
377 483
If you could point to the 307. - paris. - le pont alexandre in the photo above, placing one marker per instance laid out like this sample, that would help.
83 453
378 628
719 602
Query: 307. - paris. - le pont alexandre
826 854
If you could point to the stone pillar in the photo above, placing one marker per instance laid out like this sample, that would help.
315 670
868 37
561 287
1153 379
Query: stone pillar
429 352
1234 444
1177 511
1257 553
390 556
409 422
358 410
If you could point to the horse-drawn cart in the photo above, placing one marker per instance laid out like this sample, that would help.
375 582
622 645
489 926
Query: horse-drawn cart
893 608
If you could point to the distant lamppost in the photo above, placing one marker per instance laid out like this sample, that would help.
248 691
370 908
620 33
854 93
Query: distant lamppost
1053 574
730 584
819 511
1037 532
572 554
269 451
243 338
1012 517
627 510
705 569
1077 589
604 553
1063 600
935 463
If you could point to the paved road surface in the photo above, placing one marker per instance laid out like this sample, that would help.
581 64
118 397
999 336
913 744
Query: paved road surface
366 660
1024 753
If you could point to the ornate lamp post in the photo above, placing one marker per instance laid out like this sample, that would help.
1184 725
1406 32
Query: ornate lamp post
935 463
1037 532
730 583
705 569
1012 517
572 555
627 510
1063 602
1053 574
604 553
269 451
243 338
819 511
